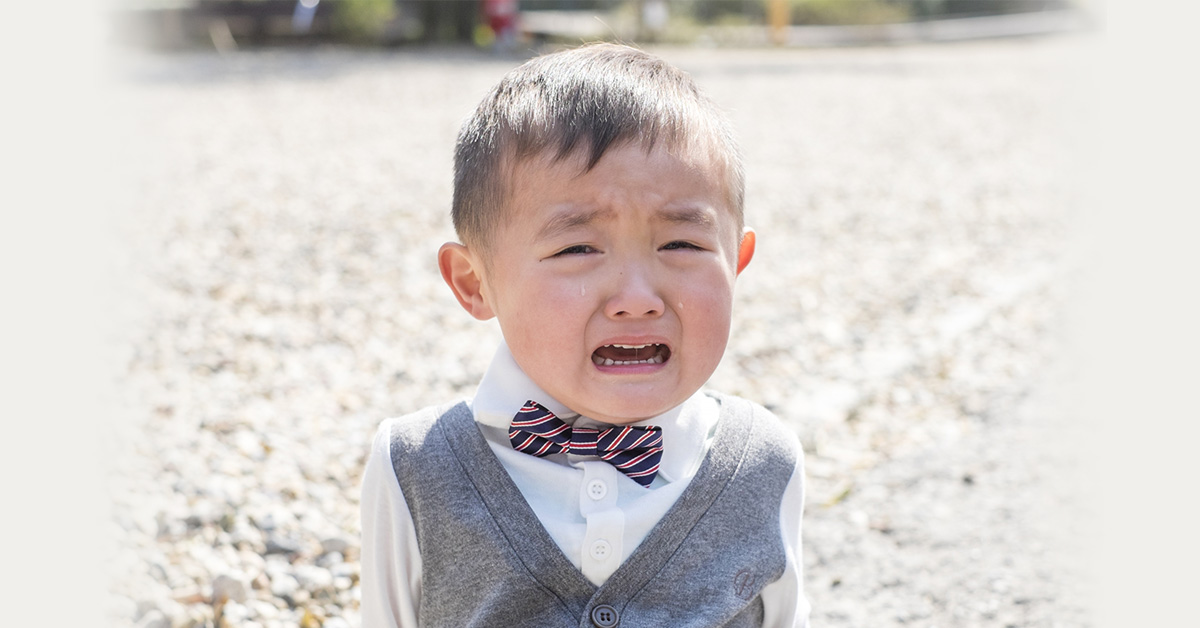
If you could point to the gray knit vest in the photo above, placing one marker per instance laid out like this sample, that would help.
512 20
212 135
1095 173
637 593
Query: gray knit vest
488 562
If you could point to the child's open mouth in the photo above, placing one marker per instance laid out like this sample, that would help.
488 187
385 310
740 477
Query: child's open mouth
624 355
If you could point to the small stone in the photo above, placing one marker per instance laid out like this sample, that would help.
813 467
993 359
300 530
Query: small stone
158 572
282 545
251 562
310 619
175 612
275 516
329 560
234 614
249 444
313 578
227 587
189 595
276 564
263 610
199 614
284 585
345 570
335 544
335 622
203 513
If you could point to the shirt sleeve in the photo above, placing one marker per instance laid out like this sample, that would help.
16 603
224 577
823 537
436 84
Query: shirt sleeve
391 562
784 604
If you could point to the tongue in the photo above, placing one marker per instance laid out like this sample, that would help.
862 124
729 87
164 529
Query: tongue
618 354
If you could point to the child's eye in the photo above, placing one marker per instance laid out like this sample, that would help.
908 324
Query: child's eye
680 244
575 249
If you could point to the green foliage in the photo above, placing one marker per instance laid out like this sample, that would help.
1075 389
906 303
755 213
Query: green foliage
849 12
363 20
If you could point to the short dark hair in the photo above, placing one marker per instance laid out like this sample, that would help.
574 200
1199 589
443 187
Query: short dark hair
585 99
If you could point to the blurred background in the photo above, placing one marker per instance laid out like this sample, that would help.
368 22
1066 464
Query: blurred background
910 175
226 24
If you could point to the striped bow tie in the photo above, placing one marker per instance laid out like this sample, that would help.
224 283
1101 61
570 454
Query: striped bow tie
634 451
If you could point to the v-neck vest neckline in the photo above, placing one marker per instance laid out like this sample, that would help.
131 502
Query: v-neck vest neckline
539 553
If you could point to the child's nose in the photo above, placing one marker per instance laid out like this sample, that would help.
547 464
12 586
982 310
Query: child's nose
635 297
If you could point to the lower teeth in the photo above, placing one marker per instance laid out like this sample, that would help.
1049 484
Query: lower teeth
610 362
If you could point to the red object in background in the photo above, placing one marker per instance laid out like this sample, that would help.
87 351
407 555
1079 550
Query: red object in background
501 14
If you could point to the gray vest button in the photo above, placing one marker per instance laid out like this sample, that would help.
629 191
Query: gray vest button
604 616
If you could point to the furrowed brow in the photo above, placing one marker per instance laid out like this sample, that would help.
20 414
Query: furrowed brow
688 216
566 221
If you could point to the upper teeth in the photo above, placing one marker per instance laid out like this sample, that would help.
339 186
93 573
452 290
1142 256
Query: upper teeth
655 358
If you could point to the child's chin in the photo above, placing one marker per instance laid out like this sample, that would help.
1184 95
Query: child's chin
630 411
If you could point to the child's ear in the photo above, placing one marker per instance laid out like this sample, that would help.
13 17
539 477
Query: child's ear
745 250
462 272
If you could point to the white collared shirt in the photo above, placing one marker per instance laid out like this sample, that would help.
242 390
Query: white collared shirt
595 514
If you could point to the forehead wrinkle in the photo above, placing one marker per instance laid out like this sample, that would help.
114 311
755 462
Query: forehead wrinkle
570 219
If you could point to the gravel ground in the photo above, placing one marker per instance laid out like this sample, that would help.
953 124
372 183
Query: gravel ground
901 314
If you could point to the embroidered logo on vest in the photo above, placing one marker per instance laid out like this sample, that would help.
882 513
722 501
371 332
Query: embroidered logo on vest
743 584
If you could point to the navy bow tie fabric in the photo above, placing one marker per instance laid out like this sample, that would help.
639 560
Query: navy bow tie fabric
634 451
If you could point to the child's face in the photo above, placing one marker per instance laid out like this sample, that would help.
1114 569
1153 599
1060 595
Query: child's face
613 288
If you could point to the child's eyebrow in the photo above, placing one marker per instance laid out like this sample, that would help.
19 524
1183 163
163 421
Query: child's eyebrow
687 216
566 221
569 220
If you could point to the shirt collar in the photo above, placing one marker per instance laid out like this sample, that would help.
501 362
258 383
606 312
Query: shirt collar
687 428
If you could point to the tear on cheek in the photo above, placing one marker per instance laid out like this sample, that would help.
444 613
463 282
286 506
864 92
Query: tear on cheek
625 355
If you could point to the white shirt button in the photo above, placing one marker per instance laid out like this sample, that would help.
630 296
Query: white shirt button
597 489
601 550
